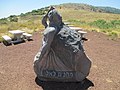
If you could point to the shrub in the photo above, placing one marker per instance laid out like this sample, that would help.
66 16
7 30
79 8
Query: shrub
113 35
102 24
98 23
13 18
4 21
116 23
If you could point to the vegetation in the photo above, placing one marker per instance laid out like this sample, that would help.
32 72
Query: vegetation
13 18
110 10
102 24
112 28
82 15
95 21
78 6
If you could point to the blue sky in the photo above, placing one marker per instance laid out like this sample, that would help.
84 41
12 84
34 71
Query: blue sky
15 7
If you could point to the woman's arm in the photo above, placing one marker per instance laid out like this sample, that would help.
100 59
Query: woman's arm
44 19
48 37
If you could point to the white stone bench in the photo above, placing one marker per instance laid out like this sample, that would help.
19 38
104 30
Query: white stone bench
75 28
27 36
7 40
82 33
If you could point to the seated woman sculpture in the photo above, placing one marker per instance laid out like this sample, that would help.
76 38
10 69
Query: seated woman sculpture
61 63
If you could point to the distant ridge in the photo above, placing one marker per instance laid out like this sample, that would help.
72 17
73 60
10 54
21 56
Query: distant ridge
90 8
76 6
110 10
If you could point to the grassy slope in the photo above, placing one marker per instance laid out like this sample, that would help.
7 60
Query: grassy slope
81 18
69 14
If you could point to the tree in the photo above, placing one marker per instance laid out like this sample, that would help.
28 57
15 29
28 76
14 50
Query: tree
3 21
13 18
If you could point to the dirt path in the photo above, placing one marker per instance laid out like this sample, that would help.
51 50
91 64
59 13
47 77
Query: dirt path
105 54
16 71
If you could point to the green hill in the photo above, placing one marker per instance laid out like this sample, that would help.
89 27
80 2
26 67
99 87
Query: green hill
85 16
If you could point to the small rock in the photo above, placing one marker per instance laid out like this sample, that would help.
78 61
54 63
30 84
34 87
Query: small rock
108 80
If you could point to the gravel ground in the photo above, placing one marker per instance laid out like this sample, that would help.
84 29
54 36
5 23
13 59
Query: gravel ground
16 61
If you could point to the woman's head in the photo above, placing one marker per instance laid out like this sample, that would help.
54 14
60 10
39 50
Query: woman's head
54 17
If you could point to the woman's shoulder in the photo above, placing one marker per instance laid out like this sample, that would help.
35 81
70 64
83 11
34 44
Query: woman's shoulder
49 30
